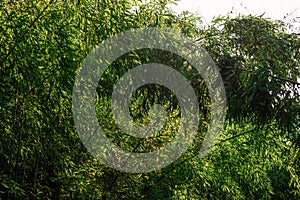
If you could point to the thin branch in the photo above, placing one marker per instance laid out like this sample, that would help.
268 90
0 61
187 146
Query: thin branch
205 37
284 79
272 76
236 136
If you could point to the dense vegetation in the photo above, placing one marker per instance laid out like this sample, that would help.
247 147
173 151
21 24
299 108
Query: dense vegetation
42 46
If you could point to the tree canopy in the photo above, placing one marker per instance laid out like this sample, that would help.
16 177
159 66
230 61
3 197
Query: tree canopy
42 47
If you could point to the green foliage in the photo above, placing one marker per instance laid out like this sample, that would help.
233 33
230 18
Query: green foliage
42 45
260 67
